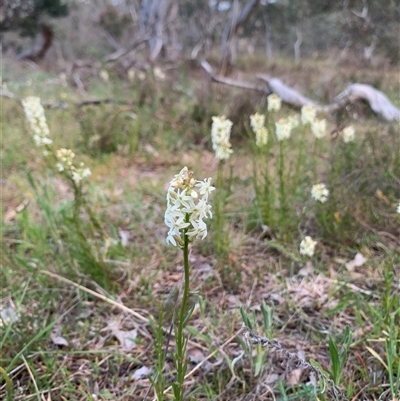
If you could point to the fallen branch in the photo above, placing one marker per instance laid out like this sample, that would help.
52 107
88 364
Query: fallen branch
376 99
286 93
229 81
123 51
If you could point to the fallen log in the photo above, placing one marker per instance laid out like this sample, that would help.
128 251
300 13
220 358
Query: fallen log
229 81
377 100
286 93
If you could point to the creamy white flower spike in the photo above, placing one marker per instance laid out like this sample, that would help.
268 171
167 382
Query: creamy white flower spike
318 128
65 157
220 136
308 114
294 120
307 246
79 174
320 192
283 129
274 102
34 113
257 122
348 134
187 208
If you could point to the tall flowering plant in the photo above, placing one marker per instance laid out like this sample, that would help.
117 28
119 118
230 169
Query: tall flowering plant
220 136
187 208
62 160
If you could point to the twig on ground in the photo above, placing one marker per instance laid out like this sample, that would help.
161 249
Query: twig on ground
31 376
97 295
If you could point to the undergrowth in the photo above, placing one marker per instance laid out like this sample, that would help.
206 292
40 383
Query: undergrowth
87 278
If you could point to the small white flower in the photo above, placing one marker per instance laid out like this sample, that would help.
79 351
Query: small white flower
159 74
294 121
283 129
274 102
80 174
104 75
318 128
36 118
348 134
320 193
308 114
398 208
257 122
198 230
220 136
187 207
307 246
205 187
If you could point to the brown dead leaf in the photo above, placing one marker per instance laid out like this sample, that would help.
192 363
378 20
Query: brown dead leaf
124 236
126 338
142 372
380 195
11 213
195 355
271 378
307 269
358 261
294 377
8 315
57 338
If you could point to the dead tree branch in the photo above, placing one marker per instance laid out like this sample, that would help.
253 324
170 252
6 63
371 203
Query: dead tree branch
286 93
229 81
376 99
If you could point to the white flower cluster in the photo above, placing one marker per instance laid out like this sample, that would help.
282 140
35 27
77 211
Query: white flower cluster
318 128
257 122
320 192
283 128
294 121
398 208
348 134
220 135
34 113
308 114
187 207
65 158
80 173
274 102
307 246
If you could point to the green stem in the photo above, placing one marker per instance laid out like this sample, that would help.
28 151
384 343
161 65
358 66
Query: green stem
8 383
219 201
282 191
180 339
314 156
299 160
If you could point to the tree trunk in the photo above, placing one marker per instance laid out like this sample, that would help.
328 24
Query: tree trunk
157 19
237 20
